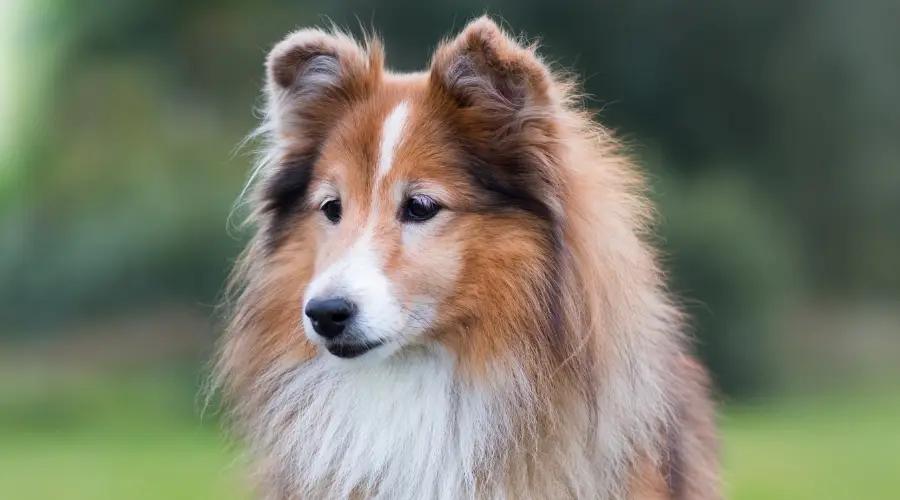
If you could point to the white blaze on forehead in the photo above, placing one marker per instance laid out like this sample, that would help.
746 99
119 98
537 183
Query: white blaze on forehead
391 133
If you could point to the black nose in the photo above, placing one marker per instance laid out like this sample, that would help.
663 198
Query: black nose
330 316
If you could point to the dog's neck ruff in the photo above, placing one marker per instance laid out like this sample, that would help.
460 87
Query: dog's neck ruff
412 427
407 428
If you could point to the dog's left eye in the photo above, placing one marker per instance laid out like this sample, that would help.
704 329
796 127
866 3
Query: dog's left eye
420 208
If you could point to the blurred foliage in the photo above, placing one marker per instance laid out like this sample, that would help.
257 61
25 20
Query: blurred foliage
732 285
770 129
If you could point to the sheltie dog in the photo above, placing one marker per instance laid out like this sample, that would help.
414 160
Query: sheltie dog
450 294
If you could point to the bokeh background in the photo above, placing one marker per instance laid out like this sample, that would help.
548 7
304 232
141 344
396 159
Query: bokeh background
770 130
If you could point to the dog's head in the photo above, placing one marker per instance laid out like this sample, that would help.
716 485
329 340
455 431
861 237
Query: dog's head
402 210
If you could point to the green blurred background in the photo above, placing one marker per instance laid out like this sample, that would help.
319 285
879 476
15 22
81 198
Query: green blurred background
770 129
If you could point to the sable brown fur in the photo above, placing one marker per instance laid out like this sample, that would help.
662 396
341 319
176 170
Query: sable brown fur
548 320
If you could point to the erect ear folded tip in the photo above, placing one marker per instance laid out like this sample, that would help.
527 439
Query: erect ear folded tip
301 49
483 29
313 75
485 39
484 57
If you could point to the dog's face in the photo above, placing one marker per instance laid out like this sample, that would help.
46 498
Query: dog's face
406 209
385 219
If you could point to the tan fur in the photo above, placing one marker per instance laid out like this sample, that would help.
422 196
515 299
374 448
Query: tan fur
562 299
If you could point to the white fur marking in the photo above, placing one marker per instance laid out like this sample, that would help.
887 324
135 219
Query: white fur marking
391 134
358 277
404 429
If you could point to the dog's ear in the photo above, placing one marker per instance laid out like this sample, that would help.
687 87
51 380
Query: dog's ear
486 69
312 76
504 106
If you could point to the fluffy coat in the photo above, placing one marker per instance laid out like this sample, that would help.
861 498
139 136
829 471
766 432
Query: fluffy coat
530 349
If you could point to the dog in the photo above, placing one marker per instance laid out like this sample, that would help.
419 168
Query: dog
450 292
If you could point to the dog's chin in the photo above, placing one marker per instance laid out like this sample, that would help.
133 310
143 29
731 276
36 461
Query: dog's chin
350 349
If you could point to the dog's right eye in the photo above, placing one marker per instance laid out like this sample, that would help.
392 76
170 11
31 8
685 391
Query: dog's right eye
332 210
419 209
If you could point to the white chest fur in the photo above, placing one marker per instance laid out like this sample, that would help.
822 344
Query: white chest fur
404 428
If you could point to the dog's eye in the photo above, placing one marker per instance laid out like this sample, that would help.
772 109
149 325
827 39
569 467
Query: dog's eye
332 210
420 208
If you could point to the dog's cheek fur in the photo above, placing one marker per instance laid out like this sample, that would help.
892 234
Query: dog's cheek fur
500 293
266 326
424 267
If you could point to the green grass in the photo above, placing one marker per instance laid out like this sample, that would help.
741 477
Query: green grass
842 449
177 465
133 437
136 439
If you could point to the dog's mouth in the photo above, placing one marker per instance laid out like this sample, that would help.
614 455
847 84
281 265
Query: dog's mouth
349 350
